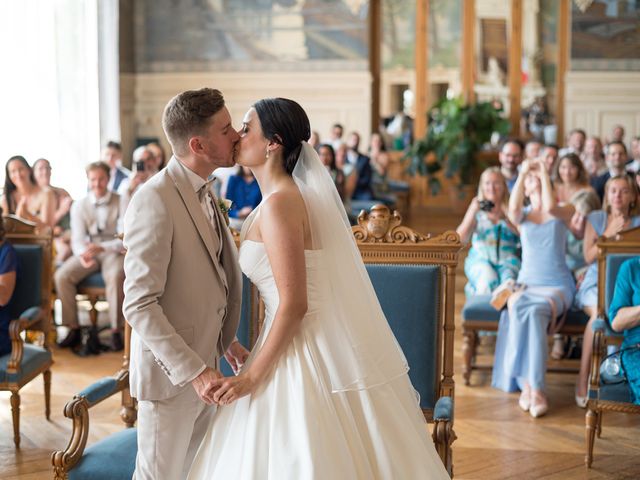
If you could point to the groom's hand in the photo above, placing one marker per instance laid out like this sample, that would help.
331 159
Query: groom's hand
204 384
236 355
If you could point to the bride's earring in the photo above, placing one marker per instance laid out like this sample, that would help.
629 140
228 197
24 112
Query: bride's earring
267 155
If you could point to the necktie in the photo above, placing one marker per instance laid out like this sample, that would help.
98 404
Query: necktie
206 195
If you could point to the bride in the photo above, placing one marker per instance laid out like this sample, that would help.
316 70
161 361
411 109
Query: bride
325 392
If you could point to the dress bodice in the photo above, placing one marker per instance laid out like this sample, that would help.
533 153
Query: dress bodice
543 254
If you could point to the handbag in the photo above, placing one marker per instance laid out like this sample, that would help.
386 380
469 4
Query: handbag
612 369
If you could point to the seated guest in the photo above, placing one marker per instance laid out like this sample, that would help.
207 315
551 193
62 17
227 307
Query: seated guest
520 361
243 190
634 163
510 157
584 201
575 142
145 166
335 137
549 156
314 140
362 164
616 157
349 173
593 157
24 198
118 175
378 157
328 158
619 212
493 257
617 134
532 149
624 315
8 268
61 218
96 220
158 155
569 178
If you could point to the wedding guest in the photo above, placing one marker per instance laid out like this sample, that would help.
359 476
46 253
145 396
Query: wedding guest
520 361
634 164
532 149
61 217
350 175
314 140
118 175
8 268
570 177
493 257
362 163
616 157
617 134
158 155
619 212
549 156
575 142
337 130
328 158
244 192
510 157
145 166
24 198
96 220
593 157
624 315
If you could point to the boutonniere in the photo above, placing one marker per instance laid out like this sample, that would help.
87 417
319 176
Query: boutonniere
225 205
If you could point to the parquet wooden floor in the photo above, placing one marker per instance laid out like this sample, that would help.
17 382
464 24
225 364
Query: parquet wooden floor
495 439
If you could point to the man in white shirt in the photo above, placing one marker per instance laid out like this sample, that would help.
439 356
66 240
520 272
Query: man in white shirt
575 142
96 220
634 164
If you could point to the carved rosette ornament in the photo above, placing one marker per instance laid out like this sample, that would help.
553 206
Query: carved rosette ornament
380 226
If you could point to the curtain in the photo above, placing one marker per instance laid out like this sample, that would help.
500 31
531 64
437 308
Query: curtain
49 86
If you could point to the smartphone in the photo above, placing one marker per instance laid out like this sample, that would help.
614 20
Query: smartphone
140 166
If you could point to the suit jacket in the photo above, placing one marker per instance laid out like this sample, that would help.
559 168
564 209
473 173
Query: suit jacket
363 189
182 303
85 226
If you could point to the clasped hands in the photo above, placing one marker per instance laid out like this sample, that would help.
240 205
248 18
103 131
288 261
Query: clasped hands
87 258
214 388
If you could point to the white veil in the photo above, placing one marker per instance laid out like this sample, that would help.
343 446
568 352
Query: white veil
360 350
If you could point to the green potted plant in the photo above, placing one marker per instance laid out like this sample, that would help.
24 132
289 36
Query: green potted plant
456 133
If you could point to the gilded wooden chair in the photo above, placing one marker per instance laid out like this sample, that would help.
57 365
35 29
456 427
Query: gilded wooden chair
30 308
603 397
414 278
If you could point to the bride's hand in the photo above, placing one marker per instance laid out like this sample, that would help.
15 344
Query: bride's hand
230 389
236 355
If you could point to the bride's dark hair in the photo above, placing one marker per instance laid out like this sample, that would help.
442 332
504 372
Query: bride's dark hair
285 122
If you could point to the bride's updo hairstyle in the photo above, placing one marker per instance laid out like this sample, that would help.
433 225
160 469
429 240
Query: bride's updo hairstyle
285 122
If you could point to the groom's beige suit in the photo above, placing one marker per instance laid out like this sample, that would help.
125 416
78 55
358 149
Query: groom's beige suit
183 291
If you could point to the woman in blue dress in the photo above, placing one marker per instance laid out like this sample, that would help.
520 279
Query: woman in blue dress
619 212
624 315
521 348
8 267
244 192
493 257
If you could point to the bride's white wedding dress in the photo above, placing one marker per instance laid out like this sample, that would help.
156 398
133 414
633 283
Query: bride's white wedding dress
296 426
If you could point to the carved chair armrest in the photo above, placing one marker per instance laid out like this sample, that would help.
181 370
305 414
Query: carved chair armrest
443 410
78 411
600 329
29 319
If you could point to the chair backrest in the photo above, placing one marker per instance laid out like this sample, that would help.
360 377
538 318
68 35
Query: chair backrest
612 252
414 278
34 249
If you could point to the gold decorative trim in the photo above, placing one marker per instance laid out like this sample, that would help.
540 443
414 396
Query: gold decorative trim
379 225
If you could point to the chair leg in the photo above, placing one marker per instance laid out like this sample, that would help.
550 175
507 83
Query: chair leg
591 421
46 375
599 427
15 411
93 312
469 345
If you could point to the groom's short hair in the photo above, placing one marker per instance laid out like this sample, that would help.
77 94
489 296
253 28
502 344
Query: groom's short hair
188 114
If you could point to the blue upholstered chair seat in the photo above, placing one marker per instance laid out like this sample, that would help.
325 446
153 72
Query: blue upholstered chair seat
409 296
94 280
113 458
479 309
32 359
618 392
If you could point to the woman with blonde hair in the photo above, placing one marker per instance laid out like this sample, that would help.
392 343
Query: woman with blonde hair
493 257
619 212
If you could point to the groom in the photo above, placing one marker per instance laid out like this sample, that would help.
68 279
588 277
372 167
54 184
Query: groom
183 287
